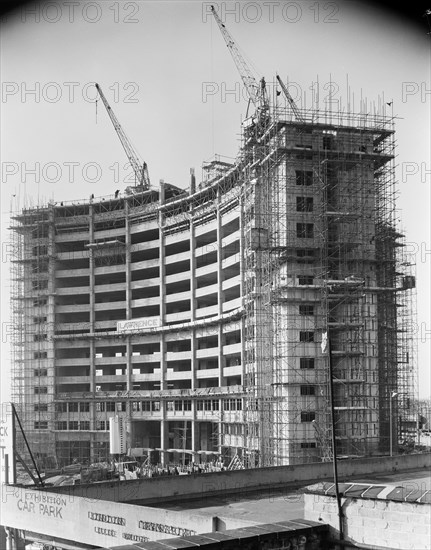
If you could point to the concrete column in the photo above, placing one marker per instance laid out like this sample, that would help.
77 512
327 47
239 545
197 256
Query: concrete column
51 329
129 366
221 361
92 373
162 274
193 286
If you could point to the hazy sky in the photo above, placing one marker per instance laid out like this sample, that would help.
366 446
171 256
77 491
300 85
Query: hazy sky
168 75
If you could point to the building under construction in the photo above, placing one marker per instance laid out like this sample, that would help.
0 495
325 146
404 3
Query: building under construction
199 315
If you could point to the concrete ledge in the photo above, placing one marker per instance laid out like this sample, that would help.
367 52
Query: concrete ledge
239 482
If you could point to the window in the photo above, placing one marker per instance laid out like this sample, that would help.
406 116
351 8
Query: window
305 255
305 230
308 416
306 336
40 302
73 407
40 267
136 406
73 425
308 445
84 425
61 407
40 285
40 355
40 337
40 250
39 320
41 407
155 406
84 407
100 407
306 309
110 406
304 204
305 279
38 390
188 405
100 425
121 406
327 142
308 390
306 363
61 425
40 372
304 177
41 425
169 405
146 406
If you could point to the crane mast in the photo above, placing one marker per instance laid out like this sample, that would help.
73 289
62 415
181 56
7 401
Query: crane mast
139 167
292 103
256 92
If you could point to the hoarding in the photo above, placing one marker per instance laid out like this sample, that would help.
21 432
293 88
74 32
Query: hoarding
95 522
138 325
7 443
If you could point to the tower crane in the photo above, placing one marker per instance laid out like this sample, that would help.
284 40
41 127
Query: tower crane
139 167
257 93
289 98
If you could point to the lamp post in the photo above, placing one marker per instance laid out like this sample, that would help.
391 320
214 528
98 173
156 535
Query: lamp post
393 394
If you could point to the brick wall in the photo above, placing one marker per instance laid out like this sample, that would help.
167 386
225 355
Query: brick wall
380 515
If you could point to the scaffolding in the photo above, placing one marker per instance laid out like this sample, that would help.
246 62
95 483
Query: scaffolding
321 257
319 254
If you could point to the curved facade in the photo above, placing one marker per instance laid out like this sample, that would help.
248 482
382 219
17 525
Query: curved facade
199 315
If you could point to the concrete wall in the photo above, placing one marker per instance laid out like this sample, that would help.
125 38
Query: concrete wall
375 522
236 482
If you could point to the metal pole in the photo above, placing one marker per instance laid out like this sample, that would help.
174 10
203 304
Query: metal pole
334 444
390 425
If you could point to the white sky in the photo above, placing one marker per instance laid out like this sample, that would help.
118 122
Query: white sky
164 68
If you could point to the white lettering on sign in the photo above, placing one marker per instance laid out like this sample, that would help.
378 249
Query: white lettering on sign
138 325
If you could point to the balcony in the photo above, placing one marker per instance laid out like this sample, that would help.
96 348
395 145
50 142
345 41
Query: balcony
73 362
207 352
72 290
207 290
177 276
232 349
178 355
232 304
232 260
182 256
207 373
84 272
148 358
206 311
147 377
72 308
171 374
206 269
103 306
110 360
145 264
233 281
178 297
142 302
236 370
